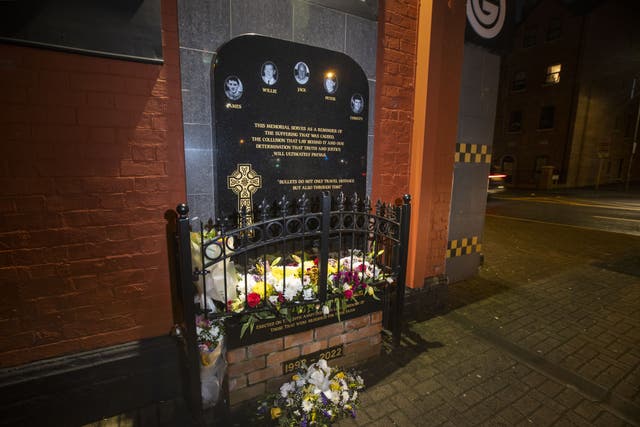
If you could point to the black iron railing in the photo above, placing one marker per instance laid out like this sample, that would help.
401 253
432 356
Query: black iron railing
350 229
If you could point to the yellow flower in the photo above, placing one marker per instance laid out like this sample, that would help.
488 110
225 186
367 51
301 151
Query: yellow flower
296 377
275 413
258 288
333 266
334 386
289 271
370 290
237 305
340 375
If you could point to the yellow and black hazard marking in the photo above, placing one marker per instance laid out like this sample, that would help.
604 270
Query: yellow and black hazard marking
472 153
465 246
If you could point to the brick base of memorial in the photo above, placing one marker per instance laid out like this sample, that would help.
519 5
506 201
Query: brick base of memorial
263 367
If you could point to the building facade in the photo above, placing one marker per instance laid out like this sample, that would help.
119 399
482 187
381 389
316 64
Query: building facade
564 104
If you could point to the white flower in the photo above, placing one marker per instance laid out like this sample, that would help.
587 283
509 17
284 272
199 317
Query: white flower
355 395
286 388
319 380
307 406
345 396
346 287
277 284
273 299
293 288
332 396
322 364
307 294
325 310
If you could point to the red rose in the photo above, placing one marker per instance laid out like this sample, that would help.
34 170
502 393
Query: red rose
348 294
316 261
253 299
280 297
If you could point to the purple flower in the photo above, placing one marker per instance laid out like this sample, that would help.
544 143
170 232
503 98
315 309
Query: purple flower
324 398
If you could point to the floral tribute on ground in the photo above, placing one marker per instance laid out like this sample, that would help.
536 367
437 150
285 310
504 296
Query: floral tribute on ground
317 395
209 334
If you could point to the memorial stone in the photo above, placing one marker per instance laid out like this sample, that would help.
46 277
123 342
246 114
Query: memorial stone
289 119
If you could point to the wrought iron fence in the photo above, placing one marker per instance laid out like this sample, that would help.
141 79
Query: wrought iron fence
371 242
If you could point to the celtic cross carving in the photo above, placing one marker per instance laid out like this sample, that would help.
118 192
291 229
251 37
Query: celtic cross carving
244 182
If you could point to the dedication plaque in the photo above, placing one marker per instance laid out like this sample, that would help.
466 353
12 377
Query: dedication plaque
289 119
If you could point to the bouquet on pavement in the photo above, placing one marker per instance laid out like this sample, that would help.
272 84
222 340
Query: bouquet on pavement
316 396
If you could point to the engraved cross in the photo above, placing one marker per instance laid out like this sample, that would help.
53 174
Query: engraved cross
244 181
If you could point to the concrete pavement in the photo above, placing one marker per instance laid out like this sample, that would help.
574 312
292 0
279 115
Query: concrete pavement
548 333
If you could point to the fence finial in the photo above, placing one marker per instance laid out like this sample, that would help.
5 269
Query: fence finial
303 203
341 201
183 210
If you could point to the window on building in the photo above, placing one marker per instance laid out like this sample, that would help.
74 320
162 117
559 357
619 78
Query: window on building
554 30
630 122
515 121
620 168
529 37
547 117
519 81
553 74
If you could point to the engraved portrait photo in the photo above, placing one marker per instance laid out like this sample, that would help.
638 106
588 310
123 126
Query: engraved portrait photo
269 73
233 88
357 103
330 82
301 73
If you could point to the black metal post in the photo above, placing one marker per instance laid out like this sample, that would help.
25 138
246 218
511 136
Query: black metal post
405 220
191 377
324 246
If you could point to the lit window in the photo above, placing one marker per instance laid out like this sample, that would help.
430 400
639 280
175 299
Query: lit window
515 121
547 117
519 81
553 74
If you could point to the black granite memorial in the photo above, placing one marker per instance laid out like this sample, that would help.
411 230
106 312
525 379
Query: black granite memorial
289 119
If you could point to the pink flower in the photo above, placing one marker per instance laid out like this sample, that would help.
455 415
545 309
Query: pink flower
348 294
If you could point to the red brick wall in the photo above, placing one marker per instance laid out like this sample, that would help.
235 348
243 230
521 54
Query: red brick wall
397 37
417 91
91 158
257 369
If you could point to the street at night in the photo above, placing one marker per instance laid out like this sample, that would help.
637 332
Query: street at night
607 210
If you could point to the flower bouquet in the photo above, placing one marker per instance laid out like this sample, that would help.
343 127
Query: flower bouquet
209 336
316 396
273 282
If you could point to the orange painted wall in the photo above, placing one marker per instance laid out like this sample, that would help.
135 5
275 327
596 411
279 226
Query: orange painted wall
91 158
417 114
